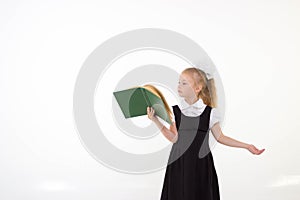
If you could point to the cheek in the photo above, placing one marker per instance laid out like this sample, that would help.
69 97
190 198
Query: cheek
187 90
191 91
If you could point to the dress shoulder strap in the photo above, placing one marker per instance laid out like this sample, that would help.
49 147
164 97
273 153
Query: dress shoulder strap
177 114
205 118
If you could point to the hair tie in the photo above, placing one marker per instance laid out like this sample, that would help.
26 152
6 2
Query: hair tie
209 75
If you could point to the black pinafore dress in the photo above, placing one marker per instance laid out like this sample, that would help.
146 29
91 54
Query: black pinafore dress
190 173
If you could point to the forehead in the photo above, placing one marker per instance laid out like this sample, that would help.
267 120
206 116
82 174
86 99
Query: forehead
185 77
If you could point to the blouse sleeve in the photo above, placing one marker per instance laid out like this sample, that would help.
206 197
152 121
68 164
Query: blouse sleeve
215 116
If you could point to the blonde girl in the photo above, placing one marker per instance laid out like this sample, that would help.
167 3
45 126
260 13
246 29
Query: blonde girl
190 177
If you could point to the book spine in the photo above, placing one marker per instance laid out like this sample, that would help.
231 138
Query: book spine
146 97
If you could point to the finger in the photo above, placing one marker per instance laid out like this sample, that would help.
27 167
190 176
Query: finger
259 152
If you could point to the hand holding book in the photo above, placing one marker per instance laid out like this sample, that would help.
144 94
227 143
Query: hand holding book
151 113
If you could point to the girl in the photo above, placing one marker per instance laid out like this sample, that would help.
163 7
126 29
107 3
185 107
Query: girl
190 173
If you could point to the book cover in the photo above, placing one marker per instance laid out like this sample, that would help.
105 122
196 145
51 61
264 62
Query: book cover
134 102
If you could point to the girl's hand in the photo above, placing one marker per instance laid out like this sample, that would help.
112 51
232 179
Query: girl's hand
254 150
151 113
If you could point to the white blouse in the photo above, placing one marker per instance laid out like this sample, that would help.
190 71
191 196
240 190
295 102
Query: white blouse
197 108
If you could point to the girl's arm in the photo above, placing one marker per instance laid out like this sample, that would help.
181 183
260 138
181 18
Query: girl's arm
171 134
223 139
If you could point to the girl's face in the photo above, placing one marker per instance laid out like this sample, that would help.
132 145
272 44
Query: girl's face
185 87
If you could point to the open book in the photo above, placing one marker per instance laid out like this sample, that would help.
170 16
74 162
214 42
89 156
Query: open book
134 102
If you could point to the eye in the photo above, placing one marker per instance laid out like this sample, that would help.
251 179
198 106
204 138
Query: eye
182 83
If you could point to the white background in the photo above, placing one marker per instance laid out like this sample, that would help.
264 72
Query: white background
254 45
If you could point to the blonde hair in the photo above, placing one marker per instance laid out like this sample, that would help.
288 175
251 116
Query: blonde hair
208 91
158 93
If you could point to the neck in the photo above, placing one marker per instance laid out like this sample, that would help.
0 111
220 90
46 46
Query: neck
191 100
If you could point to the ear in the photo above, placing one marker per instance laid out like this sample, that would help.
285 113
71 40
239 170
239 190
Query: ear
198 88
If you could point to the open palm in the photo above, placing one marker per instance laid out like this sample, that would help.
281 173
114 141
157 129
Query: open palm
255 150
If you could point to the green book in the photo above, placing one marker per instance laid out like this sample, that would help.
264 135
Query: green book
134 102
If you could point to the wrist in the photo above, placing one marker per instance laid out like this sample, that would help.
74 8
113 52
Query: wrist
158 123
154 119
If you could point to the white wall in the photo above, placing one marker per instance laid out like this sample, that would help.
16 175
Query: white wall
254 45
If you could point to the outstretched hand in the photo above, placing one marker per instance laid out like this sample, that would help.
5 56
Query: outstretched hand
254 150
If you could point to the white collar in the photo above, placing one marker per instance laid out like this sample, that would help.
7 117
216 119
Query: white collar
198 104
